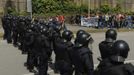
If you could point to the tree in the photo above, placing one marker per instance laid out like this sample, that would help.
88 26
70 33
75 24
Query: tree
54 6
104 9
117 9
119 3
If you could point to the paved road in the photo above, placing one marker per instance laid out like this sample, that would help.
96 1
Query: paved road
11 59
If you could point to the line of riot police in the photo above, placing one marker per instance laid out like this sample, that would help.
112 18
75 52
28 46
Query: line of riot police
38 39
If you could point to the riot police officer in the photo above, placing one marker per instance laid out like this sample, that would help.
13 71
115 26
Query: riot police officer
82 55
28 41
28 21
105 46
43 47
8 28
63 58
56 33
39 50
15 31
22 29
116 65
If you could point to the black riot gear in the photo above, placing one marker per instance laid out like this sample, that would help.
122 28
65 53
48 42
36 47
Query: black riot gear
82 55
111 35
115 65
83 39
29 18
105 46
36 28
79 32
15 31
57 28
42 22
21 19
44 30
28 21
8 27
67 35
120 51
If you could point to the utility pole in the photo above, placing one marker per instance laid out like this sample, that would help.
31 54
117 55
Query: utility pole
29 7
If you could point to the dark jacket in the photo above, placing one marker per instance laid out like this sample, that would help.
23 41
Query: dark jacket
83 61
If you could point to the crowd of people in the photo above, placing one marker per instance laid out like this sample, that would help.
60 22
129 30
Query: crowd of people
105 20
38 39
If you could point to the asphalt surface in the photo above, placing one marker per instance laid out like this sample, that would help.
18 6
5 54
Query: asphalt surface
12 61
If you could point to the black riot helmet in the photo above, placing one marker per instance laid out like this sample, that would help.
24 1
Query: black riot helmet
9 17
79 32
28 18
44 30
83 40
41 21
35 28
14 18
21 19
57 28
111 35
67 35
120 51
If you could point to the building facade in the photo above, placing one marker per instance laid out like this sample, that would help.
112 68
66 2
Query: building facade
19 5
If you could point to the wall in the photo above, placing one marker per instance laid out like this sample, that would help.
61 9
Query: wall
19 5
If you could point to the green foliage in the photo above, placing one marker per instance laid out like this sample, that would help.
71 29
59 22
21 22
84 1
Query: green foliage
120 1
37 6
84 8
56 7
12 11
23 13
117 9
104 9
